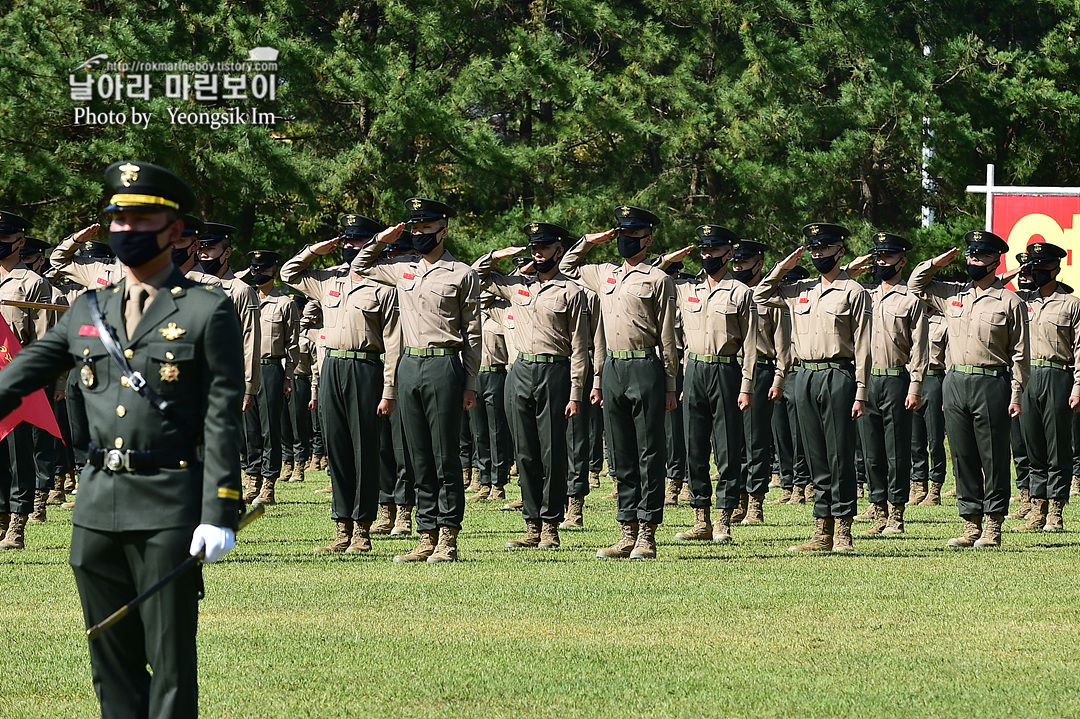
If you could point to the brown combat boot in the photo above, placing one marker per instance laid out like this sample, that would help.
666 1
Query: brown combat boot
860 490
721 528
328 489
918 492
1074 489
1054 519
69 504
531 538
423 550
622 548
385 521
56 495
312 464
933 497
614 489
343 539
702 529
755 510
549 536
483 495
1021 512
684 493
798 495
297 473
842 535
446 550
972 532
38 516
514 506
266 496
403 523
991 533
498 492
809 493
822 541
774 481
895 524
880 519
594 480
645 546
574 518
1036 518
5 520
361 538
15 537
473 484
513 470
740 512
785 497
252 485
71 482
671 496
286 471
869 515
324 463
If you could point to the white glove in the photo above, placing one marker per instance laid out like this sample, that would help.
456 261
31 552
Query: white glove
217 541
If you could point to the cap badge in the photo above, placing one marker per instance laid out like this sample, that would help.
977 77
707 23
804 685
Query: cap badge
534 228
814 229
881 237
706 230
976 235
625 211
171 331
417 204
1036 249
129 173
350 219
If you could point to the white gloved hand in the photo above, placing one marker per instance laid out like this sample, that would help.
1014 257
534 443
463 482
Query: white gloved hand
216 541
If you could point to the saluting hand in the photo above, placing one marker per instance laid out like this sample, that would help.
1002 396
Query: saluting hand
390 233
385 408
792 261
1008 276
856 266
505 252
597 238
678 255
572 408
945 259
86 233
857 409
325 247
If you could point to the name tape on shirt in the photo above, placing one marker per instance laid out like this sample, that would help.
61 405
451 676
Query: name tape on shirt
611 280
409 276
523 293
334 293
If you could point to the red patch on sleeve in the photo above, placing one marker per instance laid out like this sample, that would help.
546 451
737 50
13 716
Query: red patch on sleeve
409 276
523 293
102 281
957 304
334 293
804 300
692 299
611 280
88 331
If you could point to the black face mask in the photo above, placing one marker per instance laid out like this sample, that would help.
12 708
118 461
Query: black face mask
349 254
212 265
883 273
259 278
1042 277
136 247
744 276
629 246
181 256
426 242
825 265
712 265
6 248
545 266
977 272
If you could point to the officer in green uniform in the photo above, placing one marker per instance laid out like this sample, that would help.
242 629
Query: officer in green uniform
157 486
989 365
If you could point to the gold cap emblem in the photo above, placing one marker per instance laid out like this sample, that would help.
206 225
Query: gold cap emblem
171 331
706 230
814 229
350 219
881 237
976 235
417 204
625 211
1036 248
534 228
129 173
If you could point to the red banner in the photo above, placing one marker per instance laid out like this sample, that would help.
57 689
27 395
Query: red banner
1023 219
35 408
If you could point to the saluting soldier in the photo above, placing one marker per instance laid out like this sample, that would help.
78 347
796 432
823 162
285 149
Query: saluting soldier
549 375
186 256
637 303
1054 328
440 309
580 427
280 333
900 354
215 249
928 422
300 403
86 261
795 484
488 420
831 318
18 470
357 387
989 365
153 491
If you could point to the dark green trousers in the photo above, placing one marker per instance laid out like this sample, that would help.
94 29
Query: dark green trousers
794 472
262 423
596 433
579 444
466 449
928 434
713 420
541 391
404 491
634 391
490 428
111 568
1046 424
1019 453
429 399
349 394
18 471
757 430
296 422
824 399
318 446
978 427
885 431
675 433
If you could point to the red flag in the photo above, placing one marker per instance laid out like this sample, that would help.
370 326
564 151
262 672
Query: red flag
35 408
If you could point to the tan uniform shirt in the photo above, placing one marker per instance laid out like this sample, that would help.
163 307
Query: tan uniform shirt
245 299
637 305
550 317
440 302
774 341
597 345
505 317
24 285
720 319
358 315
986 329
900 336
280 329
87 271
204 278
1054 323
939 340
493 337
828 322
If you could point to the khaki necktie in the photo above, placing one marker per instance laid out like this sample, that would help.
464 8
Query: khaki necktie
133 312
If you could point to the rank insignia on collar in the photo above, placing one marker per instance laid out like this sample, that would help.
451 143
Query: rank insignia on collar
86 376
171 332
169 372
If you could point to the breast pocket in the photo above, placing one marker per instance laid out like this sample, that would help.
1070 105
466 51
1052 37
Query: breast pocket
990 327
692 316
170 367
1059 334
331 302
801 319
93 370
444 299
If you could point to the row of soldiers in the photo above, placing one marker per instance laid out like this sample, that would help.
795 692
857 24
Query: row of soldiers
755 368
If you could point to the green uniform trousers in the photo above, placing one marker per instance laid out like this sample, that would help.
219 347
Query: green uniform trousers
541 392
596 432
675 433
404 489
296 422
794 472
349 395
18 472
262 423
111 569
885 431
928 434
490 427
757 431
633 391
579 443
1019 453
824 399
1046 424
978 427
713 420
429 399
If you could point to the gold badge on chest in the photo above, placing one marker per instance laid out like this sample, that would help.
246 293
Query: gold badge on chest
171 332
86 376
169 372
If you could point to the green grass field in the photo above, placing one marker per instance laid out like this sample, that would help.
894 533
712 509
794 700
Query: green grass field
905 627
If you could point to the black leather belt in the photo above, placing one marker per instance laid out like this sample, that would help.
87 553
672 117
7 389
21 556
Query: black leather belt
127 460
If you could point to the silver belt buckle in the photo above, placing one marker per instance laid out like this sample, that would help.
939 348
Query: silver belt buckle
115 460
